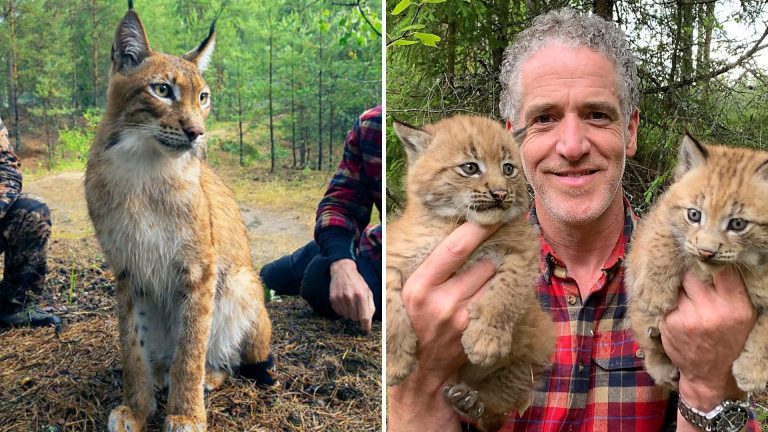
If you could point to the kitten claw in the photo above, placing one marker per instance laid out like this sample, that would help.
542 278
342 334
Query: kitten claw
464 400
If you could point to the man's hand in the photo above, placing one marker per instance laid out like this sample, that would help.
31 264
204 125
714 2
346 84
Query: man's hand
436 300
705 334
350 296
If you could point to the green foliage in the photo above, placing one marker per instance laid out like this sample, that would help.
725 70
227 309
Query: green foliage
406 30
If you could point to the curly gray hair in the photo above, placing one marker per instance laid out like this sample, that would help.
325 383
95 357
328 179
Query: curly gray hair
570 28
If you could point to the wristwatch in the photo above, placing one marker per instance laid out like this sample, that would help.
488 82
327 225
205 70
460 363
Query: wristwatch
727 416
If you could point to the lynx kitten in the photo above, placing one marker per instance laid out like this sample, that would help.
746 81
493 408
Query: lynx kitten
468 169
188 300
714 215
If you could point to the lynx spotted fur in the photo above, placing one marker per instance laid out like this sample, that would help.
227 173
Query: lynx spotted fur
188 300
714 215
468 169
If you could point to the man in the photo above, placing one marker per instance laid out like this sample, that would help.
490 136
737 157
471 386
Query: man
339 274
25 225
570 80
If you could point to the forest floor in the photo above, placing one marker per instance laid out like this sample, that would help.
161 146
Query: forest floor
329 374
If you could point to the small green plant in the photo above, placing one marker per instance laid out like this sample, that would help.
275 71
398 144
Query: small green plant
72 281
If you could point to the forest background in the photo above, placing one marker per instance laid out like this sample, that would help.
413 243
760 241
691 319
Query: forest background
290 76
699 64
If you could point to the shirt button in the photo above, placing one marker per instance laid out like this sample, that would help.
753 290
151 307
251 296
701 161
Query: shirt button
571 300
640 353
581 367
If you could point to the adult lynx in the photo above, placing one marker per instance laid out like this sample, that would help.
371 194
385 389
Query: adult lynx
468 169
715 215
188 300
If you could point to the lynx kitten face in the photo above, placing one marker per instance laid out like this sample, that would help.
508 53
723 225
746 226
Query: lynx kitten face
465 168
714 215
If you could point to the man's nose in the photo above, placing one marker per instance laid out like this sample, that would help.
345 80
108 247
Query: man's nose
572 142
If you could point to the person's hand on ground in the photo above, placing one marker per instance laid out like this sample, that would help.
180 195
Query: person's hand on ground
350 296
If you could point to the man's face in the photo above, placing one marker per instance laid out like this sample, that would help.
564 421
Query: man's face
577 138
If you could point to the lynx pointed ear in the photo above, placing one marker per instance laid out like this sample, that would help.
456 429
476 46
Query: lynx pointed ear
761 171
201 56
415 140
692 154
131 45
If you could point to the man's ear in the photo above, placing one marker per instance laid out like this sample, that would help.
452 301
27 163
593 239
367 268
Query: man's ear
692 155
632 125
415 140
201 56
131 46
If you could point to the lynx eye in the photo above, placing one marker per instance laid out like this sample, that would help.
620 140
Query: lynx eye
204 97
163 90
509 170
737 224
470 168
694 215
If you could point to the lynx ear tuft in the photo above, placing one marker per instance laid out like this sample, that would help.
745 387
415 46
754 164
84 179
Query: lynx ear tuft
692 155
415 140
131 46
201 56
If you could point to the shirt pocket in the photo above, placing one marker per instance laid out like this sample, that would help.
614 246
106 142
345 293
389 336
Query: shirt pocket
617 350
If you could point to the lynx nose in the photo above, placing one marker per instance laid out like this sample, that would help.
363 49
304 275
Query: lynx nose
193 132
498 194
707 253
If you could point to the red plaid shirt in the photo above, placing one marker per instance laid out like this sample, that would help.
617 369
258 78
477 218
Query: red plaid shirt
597 381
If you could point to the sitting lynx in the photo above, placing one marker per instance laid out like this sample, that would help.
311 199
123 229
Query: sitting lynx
188 300
714 215
468 169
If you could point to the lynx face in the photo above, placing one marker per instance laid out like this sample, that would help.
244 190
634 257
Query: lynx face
717 216
465 168
163 99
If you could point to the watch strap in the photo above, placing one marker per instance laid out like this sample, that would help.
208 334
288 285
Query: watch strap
715 420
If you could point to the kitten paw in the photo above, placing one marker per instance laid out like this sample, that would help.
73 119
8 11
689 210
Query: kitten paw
749 376
464 400
485 346
665 374
399 367
122 419
180 423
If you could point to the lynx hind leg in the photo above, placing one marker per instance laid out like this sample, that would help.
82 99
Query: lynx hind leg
138 391
214 379
751 367
401 341
257 360
492 318
646 330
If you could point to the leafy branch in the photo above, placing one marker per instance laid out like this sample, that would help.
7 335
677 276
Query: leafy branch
409 32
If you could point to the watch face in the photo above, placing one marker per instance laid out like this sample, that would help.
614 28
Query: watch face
732 419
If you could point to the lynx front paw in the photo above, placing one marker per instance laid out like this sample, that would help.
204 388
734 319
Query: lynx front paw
122 419
750 376
664 374
179 423
485 346
464 400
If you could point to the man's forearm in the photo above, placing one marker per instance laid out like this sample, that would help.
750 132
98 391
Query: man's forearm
418 405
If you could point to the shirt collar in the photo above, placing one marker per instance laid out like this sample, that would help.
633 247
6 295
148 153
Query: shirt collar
551 265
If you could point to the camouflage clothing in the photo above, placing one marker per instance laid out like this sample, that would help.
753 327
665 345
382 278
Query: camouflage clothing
25 226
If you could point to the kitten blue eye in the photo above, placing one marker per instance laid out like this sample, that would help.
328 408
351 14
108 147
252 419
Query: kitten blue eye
509 170
470 168
694 215
737 224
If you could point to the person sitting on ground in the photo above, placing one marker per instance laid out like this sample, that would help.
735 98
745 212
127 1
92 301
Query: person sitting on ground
25 226
339 273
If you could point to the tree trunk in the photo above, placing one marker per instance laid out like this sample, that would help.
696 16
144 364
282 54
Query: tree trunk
94 57
686 43
14 72
240 123
320 106
271 120
293 118
330 124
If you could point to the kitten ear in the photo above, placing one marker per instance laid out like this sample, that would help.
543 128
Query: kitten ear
415 140
201 56
131 45
692 154
761 171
